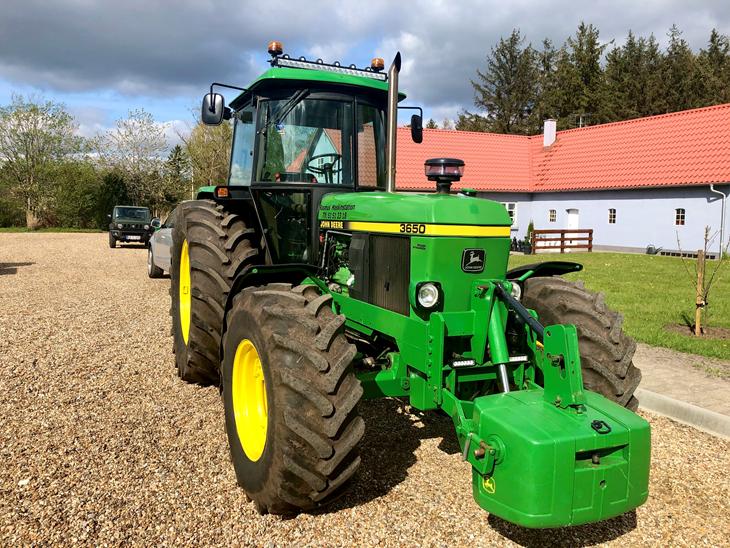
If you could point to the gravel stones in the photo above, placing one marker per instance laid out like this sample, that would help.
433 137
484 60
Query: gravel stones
100 443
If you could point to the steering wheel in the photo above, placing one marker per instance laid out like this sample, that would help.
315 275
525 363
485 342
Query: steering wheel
328 168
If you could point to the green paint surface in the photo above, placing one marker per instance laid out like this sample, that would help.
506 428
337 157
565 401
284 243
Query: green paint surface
411 207
303 77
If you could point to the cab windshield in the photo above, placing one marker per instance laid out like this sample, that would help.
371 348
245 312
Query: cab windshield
307 140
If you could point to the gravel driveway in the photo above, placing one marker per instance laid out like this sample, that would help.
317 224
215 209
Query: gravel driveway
100 443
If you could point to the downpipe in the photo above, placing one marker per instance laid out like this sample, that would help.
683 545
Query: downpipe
392 127
722 217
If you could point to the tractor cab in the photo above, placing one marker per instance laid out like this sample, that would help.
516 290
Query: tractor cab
303 129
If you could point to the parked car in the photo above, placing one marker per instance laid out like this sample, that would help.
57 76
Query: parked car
159 250
130 224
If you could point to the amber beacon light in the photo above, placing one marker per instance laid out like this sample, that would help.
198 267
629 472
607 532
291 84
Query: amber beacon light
275 48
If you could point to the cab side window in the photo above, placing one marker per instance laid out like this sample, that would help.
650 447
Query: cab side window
244 132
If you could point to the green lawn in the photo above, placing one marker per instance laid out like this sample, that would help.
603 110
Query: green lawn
51 229
651 292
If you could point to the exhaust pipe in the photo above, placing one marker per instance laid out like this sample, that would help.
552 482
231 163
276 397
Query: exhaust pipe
392 128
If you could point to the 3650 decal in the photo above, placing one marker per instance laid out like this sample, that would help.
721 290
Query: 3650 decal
412 228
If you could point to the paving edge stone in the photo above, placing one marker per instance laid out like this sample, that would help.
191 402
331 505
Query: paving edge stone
708 421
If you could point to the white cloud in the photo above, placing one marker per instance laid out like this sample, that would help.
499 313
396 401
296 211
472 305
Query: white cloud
139 48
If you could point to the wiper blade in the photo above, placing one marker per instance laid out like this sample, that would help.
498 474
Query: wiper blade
287 107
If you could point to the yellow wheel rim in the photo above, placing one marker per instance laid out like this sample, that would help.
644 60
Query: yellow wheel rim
185 297
248 392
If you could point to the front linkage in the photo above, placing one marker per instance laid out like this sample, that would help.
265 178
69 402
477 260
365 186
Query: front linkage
544 452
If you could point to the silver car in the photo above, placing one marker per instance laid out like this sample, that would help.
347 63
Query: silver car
160 248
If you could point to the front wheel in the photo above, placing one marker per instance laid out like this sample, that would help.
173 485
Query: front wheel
112 241
290 396
606 352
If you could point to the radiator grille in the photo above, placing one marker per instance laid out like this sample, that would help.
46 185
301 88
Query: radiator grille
390 263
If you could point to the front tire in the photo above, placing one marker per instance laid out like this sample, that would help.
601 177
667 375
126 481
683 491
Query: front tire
210 247
311 427
606 352
153 271
112 241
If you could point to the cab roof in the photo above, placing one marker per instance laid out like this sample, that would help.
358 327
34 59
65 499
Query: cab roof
310 75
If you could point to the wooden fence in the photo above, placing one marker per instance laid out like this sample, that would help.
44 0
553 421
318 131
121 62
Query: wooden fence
562 239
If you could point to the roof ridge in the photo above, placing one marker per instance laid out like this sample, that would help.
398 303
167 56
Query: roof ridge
462 131
643 118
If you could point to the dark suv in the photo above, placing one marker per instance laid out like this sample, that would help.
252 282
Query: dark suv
130 224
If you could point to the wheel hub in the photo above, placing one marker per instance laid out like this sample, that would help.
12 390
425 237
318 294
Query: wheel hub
248 394
184 290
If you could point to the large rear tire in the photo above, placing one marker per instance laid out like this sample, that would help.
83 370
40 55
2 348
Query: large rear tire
300 449
606 352
210 247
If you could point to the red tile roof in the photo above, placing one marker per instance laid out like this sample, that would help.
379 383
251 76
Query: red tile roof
683 148
492 160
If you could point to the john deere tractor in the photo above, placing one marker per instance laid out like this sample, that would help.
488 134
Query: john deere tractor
306 283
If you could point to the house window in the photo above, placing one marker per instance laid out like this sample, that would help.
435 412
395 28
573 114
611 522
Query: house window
679 216
612 216
553 215
511 208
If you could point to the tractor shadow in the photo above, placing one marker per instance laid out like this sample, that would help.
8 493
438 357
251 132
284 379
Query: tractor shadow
393 432
11 268
566 537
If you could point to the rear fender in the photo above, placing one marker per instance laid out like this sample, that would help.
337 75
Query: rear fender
261 275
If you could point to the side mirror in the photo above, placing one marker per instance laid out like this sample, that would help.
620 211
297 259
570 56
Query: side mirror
156 223
417 128
108 216
212 111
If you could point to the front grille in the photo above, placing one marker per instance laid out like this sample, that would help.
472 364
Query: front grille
390 263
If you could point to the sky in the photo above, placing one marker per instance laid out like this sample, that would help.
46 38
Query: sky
104 58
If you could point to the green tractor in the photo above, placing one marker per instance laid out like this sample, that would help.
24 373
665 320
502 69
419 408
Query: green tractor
306 284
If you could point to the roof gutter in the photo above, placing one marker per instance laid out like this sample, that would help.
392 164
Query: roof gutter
722 218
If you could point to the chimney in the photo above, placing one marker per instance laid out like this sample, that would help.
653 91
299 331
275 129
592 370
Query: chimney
548 132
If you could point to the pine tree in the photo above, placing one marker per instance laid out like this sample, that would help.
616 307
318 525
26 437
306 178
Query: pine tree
468 121
681 79
653 97
547 102
431 124
586 91
714 65
507 89
633 79
566 89
582 84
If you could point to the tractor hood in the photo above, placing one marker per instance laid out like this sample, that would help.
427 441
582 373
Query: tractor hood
408 207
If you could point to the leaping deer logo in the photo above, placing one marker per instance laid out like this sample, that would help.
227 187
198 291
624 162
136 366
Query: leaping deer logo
473 258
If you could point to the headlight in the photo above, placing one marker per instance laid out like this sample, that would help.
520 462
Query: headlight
516 291
120 225
428 295
146 227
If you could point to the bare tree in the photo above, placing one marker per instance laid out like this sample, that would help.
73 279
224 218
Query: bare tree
703 279
35 135
135 148
208 148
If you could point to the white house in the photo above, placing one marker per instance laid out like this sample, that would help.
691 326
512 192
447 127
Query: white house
655 180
